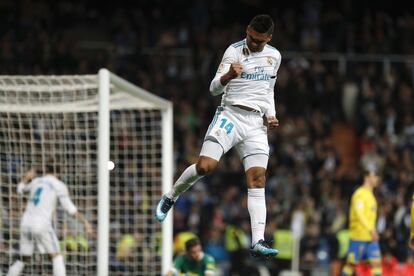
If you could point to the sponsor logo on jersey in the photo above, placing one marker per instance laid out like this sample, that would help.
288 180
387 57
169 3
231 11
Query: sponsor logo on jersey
258 74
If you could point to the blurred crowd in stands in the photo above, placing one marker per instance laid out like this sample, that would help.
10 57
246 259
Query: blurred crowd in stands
335 114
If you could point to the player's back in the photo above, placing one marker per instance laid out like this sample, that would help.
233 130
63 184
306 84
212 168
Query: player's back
363 200
41 205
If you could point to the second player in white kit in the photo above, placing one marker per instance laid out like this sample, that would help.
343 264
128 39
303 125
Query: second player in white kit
36 224
36 227
246 77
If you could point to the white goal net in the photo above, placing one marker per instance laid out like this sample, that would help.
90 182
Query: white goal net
55 120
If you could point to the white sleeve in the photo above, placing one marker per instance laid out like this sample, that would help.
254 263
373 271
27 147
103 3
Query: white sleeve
68 205
64 199
229 57
272 110
23 187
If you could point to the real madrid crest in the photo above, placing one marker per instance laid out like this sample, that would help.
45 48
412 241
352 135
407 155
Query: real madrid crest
270 60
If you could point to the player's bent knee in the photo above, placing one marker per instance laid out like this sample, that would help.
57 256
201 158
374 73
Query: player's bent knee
256 178
205 165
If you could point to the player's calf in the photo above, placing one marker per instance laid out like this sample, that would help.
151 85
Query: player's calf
18 266
59 268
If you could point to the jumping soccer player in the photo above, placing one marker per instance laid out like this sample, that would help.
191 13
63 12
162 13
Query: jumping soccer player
246 77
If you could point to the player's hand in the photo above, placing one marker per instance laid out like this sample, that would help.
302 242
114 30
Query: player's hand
374 235
234 70
29 175
271 122
411 242
89 229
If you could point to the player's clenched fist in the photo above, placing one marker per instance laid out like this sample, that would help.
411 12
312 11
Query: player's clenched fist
271 122
235 70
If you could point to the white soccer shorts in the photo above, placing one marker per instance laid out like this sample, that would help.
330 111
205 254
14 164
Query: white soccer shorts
46 241
242 129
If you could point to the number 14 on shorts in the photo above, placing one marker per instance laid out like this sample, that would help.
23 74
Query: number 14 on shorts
228 126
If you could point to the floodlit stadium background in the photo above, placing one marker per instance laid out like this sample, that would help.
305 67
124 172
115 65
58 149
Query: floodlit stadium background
344 96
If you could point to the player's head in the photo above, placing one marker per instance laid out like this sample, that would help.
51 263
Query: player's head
51 167
371 177
259 32
193 248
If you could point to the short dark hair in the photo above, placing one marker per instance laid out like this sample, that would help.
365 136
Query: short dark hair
368 168
262 23
51 166
191 243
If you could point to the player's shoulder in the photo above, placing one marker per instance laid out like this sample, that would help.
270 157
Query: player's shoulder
208 258
179 257
233 50
273 51
179 260
56 182
237 44
36 180
360 192
54 179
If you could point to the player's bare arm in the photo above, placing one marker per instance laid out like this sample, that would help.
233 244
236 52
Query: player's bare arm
234 71
88 227
374 235
27 177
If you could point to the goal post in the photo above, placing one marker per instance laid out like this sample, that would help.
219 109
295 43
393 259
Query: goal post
84 122
103 173
105 79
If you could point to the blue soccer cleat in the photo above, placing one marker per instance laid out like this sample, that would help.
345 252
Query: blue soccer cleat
262 249
163 207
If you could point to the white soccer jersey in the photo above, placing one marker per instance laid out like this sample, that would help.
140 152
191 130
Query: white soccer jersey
44 192
254 87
